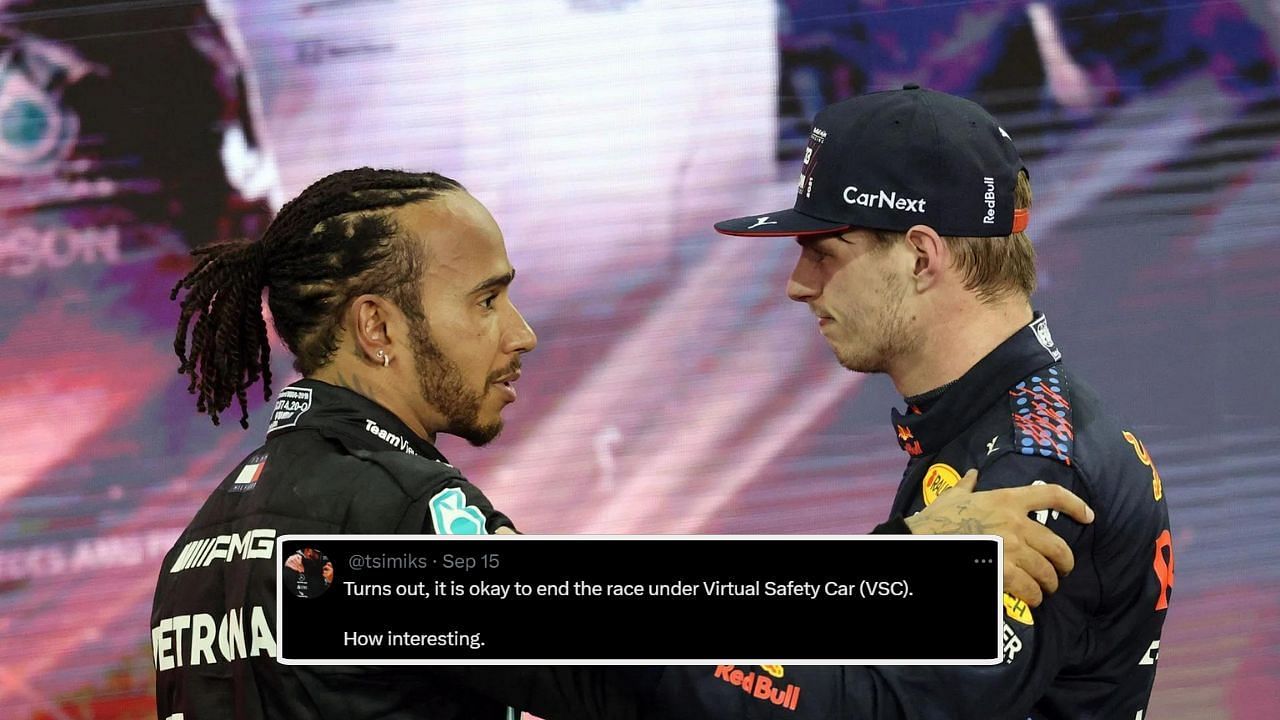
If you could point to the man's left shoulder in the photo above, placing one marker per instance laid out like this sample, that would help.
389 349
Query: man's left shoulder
1032 424
1039 416
1051 414
420 495
1054 416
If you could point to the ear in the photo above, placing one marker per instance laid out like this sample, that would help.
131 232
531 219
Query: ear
932 256
372 318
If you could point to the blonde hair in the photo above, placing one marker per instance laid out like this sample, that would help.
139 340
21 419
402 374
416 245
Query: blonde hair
992 267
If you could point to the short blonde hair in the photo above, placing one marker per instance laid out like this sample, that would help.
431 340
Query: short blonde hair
993 267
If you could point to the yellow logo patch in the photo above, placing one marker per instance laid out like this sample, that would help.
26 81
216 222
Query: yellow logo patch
1157 487
939 479
1017 610
774 670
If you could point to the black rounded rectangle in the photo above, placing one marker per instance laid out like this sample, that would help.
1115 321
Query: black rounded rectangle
647 599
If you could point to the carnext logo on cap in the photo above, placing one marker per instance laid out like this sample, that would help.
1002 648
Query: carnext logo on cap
882 199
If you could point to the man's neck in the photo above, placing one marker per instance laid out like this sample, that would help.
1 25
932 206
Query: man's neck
374 387
955 343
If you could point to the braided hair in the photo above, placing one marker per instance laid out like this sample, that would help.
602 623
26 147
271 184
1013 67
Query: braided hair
333 242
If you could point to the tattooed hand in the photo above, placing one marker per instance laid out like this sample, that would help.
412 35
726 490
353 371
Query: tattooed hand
1031 550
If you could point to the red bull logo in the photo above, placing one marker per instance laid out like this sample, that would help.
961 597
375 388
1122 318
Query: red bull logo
908 442
760 686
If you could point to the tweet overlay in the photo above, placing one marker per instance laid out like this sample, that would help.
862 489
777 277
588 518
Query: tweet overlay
620 600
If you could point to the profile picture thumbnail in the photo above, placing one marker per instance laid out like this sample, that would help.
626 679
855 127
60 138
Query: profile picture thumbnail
307 573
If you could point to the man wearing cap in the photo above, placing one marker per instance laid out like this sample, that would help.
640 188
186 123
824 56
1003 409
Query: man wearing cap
911 214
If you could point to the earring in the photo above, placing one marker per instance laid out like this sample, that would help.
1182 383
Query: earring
386 360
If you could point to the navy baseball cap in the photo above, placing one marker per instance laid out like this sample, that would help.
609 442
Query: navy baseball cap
890 160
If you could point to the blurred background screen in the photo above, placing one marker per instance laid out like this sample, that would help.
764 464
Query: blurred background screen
675 388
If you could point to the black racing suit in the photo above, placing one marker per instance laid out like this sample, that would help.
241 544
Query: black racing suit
1089 651
333 462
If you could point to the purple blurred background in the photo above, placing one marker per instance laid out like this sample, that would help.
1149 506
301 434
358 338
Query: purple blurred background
675 388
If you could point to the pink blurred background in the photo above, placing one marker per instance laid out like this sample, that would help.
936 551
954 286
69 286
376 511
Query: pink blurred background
675 389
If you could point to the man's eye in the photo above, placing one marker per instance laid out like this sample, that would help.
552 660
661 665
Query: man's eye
488 301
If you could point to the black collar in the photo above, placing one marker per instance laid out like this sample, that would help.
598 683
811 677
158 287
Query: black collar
360 423
927 427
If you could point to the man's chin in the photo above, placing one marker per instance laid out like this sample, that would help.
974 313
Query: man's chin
859 364
477 434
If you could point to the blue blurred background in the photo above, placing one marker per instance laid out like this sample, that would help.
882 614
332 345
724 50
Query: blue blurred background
675 389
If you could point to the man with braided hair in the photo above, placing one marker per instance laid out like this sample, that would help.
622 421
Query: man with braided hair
390 289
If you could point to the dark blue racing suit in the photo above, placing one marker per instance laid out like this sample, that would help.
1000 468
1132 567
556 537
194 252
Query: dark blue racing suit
1089 651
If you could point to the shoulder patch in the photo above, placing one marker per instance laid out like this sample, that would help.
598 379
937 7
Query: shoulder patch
291 404
250 472
452 515
1042 416
939 478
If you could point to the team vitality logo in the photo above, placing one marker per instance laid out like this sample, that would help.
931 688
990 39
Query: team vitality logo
882 199
396 441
